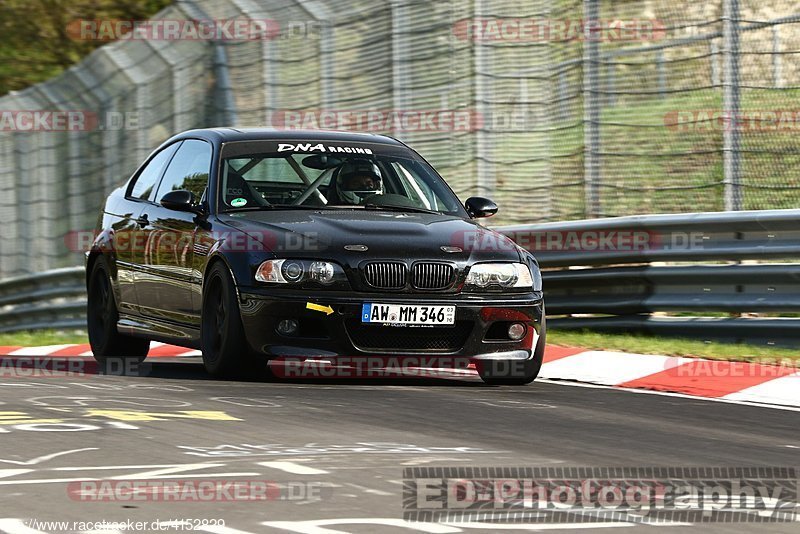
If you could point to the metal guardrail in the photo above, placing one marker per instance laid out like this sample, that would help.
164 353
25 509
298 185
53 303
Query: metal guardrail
689 237
53 299
613 272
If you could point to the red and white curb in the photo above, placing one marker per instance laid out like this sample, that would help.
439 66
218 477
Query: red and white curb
711 379
740 382
157 350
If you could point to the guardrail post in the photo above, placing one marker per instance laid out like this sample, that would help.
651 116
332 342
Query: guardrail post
591 107
731 153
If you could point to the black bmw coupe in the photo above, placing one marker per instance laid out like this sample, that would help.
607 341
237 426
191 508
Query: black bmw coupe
255 244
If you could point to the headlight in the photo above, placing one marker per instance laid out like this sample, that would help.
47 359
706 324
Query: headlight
292 271
503 275
299 271
271 271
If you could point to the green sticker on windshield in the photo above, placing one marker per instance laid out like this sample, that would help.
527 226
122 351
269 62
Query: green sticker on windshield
238 202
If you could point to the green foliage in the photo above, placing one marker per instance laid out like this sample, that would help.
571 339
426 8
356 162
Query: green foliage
43 337
35 43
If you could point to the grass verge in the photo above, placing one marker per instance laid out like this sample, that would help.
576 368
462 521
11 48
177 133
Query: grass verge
43 337
620 342
670 346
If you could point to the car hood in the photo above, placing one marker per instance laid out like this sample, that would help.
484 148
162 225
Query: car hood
342 235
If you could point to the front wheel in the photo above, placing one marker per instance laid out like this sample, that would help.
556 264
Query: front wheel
226 352
514 372
101 320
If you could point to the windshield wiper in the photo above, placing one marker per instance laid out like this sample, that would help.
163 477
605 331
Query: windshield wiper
393 207
300 207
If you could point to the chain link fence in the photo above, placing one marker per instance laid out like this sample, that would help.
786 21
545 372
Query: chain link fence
651 106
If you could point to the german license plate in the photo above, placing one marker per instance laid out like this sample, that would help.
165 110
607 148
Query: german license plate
403 314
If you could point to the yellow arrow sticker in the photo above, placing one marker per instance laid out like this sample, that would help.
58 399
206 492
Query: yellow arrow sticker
327 310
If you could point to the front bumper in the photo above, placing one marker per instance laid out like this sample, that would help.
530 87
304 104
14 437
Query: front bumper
478 333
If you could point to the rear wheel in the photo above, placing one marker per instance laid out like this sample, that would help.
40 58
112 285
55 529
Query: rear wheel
101 318
225 349
514 372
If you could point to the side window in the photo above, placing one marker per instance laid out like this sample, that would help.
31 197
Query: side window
415 187
145 184
188 169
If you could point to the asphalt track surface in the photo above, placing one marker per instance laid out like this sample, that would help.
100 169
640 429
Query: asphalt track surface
337 450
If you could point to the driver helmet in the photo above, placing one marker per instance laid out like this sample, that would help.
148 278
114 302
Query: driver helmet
357 180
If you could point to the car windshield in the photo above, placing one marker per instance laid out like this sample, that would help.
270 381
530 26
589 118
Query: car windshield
360 178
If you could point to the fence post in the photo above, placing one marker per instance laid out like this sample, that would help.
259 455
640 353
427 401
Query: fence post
731 163
563 92
591 108
662 73
777 59
714 64
23 191
223 89
611 85
483 94
327 48
400 70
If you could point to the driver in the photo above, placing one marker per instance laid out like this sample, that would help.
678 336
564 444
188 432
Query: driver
357 180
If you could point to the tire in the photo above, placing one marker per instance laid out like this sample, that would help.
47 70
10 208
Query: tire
101 322
226 352
514 372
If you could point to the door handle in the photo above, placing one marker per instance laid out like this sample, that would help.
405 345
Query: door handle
143 221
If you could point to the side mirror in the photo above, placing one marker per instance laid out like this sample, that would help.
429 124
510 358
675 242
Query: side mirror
478 207
181 201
